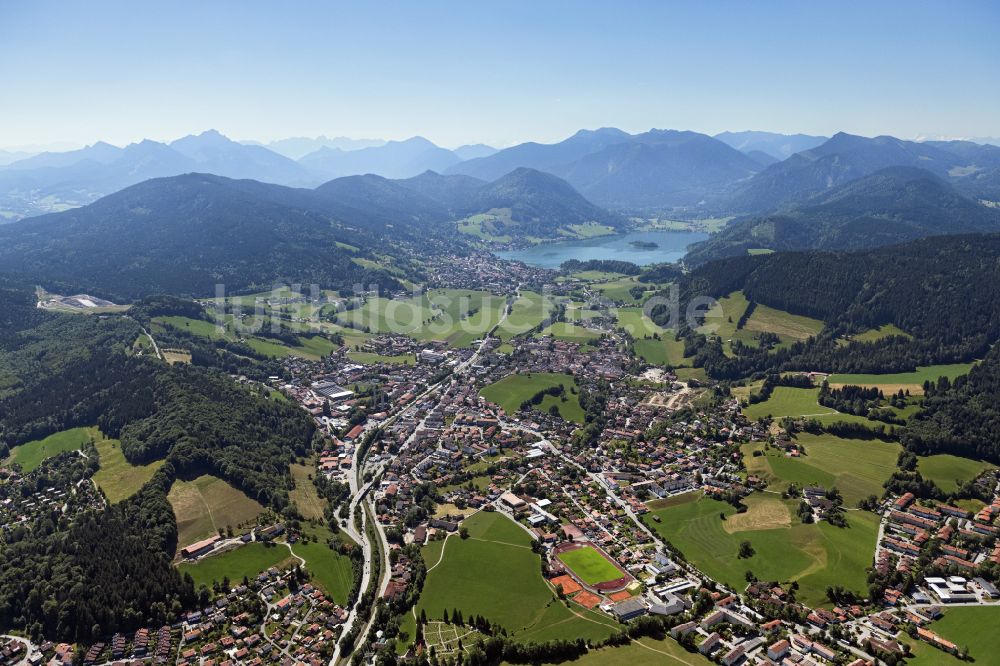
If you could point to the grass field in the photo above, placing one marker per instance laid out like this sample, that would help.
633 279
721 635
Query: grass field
784 324
858 468
644 652
724 316
569 332
512 390
330 570
488 226
884 331
589 565
117 477
495 574
304 495
248 560
797 402
31 454
526 312
455 316
207 504
914 381
965 626
369 358
816 555
945 470
311 348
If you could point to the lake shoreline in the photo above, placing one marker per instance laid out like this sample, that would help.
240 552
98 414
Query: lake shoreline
654 247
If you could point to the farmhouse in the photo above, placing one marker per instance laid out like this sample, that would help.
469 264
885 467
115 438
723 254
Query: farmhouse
200 547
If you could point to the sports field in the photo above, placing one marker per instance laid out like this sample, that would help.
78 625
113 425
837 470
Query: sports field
248 560
495 574
589 565
31 454
857 467
512 390
207 504
816 555
945 470
117 477
972 627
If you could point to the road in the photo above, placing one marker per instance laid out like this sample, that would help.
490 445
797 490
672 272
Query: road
360 496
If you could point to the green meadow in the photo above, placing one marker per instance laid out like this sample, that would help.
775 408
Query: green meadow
857 467
946 470
512 390
248 560
31 454
816 555
494 573
117 477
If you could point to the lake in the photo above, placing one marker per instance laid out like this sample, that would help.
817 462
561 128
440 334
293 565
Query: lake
671 246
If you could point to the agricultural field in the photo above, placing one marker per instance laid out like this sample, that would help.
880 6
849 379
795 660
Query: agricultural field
911 381
857 467
965 626
512 390
785 325
248 560
526 312
620 290
589 565
330 570
723 318
945 470
495 574
207 504
31 454
369 358
117 477
455 316
489 226
309 347
665 351
815 555
304 495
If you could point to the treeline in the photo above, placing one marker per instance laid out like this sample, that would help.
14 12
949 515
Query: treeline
961 417
931 288
602 265
108 571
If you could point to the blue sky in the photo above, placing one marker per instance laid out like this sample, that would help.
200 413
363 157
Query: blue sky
497 72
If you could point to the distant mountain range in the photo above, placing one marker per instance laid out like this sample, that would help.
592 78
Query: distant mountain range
659 173
776 146
185 234
890 206
296 148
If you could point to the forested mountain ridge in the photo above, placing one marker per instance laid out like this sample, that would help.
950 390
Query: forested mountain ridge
845 157
892 205
184 235
933 289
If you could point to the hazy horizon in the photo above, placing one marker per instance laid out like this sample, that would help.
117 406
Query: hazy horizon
457 73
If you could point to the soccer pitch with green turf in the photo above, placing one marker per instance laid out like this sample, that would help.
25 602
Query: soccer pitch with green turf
589 565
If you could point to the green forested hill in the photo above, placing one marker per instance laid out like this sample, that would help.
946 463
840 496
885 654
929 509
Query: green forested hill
184 235
110 569
890 206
